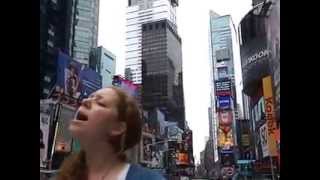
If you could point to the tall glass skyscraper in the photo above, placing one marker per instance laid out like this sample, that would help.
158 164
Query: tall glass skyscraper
222 43
138 13
85 29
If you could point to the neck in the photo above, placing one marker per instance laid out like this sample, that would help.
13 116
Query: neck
100 157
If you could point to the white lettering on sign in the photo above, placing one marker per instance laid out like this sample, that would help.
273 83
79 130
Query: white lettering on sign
256 56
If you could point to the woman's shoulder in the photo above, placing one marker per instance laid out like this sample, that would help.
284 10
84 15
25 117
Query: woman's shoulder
138 172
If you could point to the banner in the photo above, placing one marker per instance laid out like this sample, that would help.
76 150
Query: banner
270 115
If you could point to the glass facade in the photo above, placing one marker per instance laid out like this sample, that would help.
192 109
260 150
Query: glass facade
103 62
162 70
85 32
138 13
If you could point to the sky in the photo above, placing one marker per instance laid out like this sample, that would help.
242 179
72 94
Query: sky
193 28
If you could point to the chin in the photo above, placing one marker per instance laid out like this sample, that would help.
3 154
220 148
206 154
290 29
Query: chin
75 131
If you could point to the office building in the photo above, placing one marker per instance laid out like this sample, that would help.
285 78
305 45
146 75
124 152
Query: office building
85 17
103 62
162 70
54 37
259 35
222 43
138 13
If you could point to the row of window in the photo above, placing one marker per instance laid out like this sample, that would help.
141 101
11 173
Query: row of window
153 26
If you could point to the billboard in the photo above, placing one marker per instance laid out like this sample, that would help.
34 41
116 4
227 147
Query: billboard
270 115
146 148
225 138
225 118
126 85
223 87
45 124
255 51
74 81
182 158
63 140
224 102
263 140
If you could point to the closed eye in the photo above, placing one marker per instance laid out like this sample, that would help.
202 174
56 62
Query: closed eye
101 104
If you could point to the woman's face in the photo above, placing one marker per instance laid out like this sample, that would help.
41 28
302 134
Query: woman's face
97 117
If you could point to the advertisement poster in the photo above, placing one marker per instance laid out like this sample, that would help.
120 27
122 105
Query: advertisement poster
223 88
225 118
263 140
63 141
74 81
225 140
224 102
126 85
182 159
44 138
46 108
146 148
270 115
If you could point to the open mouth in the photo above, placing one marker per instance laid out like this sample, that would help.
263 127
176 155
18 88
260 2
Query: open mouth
81 116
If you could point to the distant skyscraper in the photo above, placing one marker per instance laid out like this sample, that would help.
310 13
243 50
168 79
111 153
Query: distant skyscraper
139 12
85 29
103 62
222 43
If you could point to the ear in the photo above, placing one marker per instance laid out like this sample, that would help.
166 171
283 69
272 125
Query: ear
119 129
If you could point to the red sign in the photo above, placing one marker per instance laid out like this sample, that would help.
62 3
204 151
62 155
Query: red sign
182 159
225 118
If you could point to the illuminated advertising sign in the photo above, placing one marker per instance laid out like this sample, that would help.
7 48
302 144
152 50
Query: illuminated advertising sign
126 85
223 88
225 139
270 115
225 118
182 159
224 102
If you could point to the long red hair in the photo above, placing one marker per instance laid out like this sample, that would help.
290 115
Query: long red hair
74 167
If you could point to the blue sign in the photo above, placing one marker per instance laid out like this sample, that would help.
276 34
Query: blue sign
74 80
224 102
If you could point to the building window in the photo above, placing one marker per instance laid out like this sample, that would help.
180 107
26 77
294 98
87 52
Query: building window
144 27
157 25
150 26
163 25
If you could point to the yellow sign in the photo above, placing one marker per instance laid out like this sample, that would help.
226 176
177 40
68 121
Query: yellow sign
225 139
270 115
